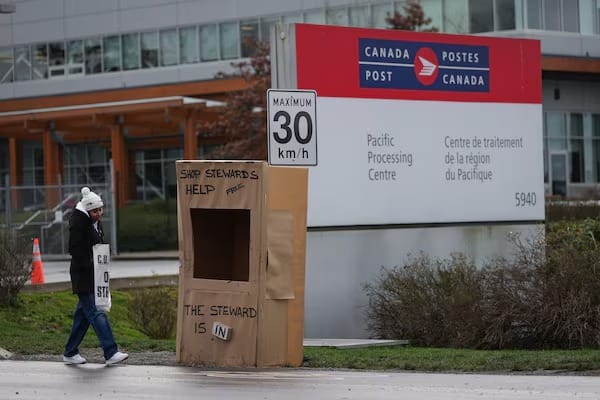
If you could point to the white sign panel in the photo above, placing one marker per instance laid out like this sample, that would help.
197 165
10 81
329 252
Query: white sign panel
394 161
292 127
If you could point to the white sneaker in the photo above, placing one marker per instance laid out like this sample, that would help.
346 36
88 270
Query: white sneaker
76 359
117 358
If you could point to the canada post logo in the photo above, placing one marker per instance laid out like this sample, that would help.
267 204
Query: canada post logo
394 64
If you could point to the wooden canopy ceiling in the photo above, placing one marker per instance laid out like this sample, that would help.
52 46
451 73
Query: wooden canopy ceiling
155 114
162 116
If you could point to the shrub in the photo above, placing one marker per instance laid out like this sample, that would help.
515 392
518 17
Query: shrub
154 311
432 302
15 265
571 285
549 296
511 298
546 296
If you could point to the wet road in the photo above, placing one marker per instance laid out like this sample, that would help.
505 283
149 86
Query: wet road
33 380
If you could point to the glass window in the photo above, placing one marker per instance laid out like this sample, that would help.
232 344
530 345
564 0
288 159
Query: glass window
22 63
598 18
93 56
534 14
315 16
57 59
359 16
433 10
33 166
570 12
170 177
576 147
209 40
520 14
481 15
97 155
552 15
75 52
337 16
40 61
168 47
265 29
3 161
505 15
229 39
587 14
152 155
130 46
555 131
455 13
149 45
112 53
379 13
57 53
6 65
188 45
249 37
555 140
75 57
173 154
85 164
596 146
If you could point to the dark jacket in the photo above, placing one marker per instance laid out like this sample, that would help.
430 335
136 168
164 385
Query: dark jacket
82 236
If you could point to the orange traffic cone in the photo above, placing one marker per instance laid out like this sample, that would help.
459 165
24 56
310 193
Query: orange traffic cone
37 268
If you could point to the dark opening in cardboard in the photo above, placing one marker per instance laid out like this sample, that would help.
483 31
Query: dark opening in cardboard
221 239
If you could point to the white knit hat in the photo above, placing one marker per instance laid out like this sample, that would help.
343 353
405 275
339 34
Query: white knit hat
90 200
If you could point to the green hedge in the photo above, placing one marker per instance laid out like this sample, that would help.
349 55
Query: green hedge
571 210
148 226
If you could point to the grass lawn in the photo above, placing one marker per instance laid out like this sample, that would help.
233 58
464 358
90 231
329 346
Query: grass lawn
40 323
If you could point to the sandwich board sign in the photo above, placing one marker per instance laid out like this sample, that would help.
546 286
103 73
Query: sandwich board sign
292 127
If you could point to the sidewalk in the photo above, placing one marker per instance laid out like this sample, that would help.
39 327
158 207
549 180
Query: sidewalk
137 255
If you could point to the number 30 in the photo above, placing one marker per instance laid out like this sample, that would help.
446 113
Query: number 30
288 131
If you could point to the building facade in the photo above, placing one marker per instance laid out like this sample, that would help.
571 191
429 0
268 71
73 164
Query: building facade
86 84
61 53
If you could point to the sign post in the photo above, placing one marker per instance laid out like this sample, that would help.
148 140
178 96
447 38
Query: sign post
292 127
428 143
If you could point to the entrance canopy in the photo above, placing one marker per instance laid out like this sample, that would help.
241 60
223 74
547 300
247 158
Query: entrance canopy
121 126
161 119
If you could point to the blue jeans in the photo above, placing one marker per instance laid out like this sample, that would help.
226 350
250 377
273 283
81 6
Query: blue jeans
87 314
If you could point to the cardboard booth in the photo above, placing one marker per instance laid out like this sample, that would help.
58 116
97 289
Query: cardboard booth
242 241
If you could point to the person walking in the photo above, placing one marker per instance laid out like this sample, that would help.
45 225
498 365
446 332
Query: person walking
85 230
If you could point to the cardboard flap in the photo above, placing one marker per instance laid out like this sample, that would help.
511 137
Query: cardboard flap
280 255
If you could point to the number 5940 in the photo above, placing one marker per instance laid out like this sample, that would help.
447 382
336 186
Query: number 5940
525 199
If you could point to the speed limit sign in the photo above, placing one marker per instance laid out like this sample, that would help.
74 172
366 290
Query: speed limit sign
292 127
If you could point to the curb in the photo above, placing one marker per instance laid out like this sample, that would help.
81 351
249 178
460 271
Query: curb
5 354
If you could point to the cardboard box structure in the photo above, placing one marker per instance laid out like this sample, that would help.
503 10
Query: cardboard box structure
242 241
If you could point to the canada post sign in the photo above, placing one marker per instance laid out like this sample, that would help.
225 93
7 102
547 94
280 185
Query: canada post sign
422 127
397 64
